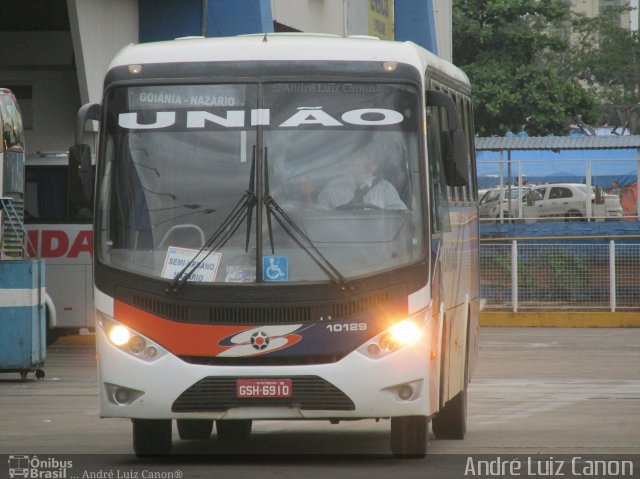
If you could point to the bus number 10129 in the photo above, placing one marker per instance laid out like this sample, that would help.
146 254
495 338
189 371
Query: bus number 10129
346 327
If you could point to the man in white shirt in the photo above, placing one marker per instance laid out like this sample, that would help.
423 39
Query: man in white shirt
361 188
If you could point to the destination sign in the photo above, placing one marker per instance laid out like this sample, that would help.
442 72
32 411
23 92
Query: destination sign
187 96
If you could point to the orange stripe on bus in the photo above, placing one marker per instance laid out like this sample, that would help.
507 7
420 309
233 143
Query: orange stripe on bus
182 339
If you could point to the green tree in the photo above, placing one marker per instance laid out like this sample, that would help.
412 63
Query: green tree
508 48
606 59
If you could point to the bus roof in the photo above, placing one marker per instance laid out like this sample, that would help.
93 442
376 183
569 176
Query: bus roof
284 47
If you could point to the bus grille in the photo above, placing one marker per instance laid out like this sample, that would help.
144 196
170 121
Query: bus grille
161 308
257 314
214 394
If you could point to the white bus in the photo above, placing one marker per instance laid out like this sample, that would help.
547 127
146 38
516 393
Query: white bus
237 280
58 219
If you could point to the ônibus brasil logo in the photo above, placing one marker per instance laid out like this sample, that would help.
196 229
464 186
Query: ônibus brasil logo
34 467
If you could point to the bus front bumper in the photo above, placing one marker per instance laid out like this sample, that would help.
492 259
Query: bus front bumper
356 387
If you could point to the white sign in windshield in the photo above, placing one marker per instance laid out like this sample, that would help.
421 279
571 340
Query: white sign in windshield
178 258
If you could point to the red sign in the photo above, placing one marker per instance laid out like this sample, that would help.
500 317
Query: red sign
58 243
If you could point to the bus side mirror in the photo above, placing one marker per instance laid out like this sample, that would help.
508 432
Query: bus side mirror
454 144
80 173
88 111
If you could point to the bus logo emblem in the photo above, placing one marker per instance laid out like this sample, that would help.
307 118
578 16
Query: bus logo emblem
260 340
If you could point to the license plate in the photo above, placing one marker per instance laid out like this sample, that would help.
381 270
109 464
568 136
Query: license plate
264 388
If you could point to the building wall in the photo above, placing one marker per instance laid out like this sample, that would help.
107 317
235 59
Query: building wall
49 74
317 16
591 8
412 19
64 69
443 16
169 19
634 16
99 28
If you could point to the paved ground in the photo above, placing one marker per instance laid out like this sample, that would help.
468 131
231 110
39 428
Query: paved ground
536 391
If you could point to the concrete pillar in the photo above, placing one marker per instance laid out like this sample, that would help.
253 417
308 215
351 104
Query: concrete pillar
99 29
415 21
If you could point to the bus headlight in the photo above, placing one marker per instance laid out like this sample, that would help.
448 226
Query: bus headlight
398 336
119 335
128 340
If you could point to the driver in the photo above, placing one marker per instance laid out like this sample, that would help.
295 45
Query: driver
361 188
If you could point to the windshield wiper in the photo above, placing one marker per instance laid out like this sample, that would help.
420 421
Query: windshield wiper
266 197
251 190
241 211
244 210
298 235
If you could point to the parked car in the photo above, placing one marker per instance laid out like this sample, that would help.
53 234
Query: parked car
569 200
558 200
489 201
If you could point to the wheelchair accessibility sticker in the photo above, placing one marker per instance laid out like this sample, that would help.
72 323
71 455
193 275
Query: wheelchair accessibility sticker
275 268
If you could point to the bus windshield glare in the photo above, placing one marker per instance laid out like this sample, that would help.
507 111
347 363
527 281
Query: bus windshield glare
274 182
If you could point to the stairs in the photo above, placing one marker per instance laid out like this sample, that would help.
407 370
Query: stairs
12 235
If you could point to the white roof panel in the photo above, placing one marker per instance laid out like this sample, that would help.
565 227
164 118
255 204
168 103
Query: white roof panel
283 47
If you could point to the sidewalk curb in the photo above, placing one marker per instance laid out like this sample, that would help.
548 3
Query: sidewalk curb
560 319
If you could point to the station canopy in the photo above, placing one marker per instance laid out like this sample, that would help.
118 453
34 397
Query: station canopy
559 159
554 143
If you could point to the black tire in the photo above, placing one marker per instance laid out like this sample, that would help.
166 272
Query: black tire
151 437
451 421
194 429
51 335
573 215
410 436
233 430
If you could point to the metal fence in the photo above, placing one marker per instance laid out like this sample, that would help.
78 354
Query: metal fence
525 275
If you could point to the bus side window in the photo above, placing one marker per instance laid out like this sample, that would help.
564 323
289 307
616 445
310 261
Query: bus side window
437 186
467 124
46 191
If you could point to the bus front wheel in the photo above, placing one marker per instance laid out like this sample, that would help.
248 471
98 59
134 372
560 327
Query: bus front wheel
451 421
151 437
409 436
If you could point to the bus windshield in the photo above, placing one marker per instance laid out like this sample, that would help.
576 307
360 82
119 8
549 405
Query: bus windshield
274 182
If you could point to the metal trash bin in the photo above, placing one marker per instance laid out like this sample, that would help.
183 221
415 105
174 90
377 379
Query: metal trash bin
23 342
